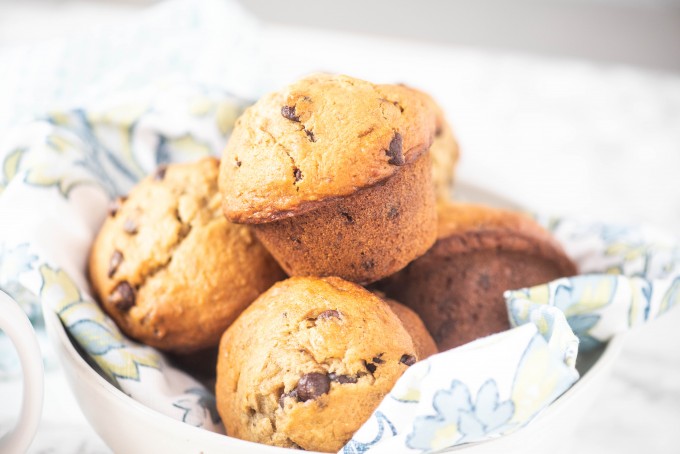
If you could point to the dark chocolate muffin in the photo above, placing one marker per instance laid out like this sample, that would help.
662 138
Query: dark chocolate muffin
457 286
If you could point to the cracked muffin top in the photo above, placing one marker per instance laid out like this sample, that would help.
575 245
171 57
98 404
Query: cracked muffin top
323 137
308 362
169 268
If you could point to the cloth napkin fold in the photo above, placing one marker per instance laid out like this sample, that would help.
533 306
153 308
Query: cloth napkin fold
58 173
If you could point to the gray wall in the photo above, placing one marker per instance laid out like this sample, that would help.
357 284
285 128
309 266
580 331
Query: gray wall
635 32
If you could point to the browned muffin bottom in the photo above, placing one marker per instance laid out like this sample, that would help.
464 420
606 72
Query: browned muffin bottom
167 266
457 286
363 237
308 362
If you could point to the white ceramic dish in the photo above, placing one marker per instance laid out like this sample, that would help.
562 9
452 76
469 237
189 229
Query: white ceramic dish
128 426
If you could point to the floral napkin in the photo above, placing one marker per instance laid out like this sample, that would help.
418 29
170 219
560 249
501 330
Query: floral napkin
58 173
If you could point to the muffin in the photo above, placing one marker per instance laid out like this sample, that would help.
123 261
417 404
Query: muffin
422 340
334 175
444 154
168 267
457 286
307 363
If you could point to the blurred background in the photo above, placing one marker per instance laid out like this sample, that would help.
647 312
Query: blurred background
642 33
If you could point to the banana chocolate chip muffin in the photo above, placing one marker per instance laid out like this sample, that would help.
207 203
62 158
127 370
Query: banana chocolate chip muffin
307 363
444 153
334 174
168 267
457 286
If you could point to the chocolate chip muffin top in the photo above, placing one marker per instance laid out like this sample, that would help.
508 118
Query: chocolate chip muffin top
307 363
169 268
323 137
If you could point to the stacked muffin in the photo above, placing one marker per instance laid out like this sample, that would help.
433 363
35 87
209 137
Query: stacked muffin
345 183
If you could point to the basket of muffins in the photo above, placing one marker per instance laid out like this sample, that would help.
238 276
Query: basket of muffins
316 261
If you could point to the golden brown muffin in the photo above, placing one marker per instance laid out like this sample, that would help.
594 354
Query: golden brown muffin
444 153
307 363
457 287
169 269
334 174
422 340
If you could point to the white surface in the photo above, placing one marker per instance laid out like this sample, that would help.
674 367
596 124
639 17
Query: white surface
15 324
612 133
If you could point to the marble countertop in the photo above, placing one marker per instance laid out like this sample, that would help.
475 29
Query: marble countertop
560 136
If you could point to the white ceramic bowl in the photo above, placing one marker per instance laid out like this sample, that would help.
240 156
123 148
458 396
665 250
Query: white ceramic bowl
128 426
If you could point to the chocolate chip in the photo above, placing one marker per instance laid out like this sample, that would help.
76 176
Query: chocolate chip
328 314
297 174
114 263
393 213
310 135
370 367
407 359
395 151
130 226
123 296
289 113
312 385
115 205
159 174
378 359
348 217
342 379
238 163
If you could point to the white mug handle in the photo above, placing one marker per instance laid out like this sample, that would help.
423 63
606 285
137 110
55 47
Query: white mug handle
15 324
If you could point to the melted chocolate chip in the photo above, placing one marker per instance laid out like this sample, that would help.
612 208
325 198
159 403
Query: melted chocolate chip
331 313
115 205
159 174
393 213
310 135
342 379
378 359
238 163
395 151
289 113
407 359
438 131
297 174
130 226
114 263
370 367
312 385
123 296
